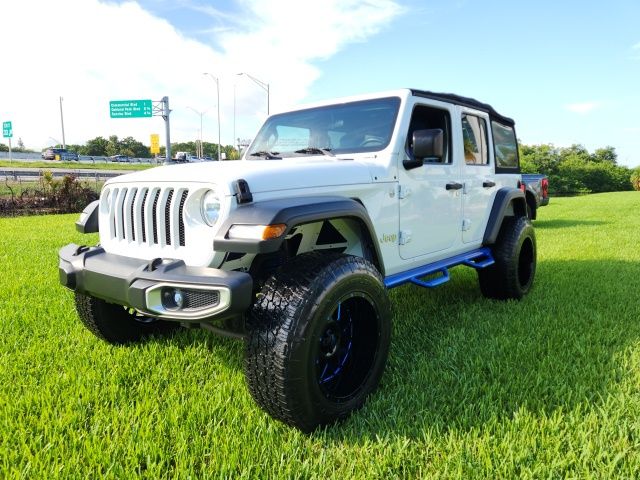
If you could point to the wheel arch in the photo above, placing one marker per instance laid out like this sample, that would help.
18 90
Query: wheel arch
296 212
507 202
531 202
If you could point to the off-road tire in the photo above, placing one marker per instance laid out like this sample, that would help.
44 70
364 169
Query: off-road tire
115 324
512 274
318 339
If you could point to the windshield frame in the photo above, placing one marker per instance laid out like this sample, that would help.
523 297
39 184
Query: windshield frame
334 122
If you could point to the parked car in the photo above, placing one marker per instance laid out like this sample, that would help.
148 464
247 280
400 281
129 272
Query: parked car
119 158
62 153
295 248
536 192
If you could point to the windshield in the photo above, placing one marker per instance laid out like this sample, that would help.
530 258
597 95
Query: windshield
364 126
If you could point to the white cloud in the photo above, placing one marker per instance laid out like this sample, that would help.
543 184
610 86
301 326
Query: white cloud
91 52
583 108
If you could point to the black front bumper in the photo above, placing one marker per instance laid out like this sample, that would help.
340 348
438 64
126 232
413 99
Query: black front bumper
129 281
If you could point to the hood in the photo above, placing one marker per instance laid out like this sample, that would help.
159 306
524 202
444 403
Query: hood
261 175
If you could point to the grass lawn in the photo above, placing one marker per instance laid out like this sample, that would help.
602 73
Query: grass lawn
76 165
546 387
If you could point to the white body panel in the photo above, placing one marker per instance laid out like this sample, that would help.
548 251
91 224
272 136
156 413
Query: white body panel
432 214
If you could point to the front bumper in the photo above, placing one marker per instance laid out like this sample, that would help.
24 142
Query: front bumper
151 287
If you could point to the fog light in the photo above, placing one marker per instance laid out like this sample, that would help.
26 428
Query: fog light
172 298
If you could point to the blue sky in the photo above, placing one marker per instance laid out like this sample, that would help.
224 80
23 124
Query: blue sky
568 72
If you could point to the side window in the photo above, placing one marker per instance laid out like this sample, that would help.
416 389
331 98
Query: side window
426 118
474 134
505 146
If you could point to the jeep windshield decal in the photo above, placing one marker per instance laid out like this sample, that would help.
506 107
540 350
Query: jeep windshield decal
354 127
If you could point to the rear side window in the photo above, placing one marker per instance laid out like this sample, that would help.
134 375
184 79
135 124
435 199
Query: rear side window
474 134
505 147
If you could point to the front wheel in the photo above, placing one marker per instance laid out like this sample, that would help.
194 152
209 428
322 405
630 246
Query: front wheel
117 324
512 274
318 339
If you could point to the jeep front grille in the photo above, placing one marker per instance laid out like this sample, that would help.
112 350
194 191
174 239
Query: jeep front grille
148 215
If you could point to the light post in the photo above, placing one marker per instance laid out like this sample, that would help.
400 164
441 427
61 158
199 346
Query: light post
260 83
64 144
201 152
215 79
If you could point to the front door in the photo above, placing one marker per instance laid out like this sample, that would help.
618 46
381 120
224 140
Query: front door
430 196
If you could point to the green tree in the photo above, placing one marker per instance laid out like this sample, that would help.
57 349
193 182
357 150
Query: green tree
96 147
607 154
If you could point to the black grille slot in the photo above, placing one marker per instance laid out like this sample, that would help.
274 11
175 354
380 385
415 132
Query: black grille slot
133 217
180 217
199 300
144 225
167 218
155 217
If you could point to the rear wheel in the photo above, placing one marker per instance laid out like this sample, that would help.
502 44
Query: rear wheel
515 261
318 339
117 324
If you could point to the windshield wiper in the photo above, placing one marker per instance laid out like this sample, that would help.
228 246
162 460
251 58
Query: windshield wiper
267 155
316 151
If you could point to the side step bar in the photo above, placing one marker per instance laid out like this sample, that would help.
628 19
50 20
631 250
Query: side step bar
479 258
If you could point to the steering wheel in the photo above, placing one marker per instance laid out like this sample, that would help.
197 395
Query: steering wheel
372 142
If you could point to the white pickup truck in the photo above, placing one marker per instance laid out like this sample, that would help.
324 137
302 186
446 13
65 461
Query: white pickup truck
295 247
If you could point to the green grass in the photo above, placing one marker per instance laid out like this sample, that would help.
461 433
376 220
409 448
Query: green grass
546 387
76 165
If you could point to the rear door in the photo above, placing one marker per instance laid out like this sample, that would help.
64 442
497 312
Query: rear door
478 175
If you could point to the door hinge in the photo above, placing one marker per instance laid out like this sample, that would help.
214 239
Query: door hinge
403 192
466 224
404 237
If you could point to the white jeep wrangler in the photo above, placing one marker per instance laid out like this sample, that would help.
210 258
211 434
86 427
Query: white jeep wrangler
294 247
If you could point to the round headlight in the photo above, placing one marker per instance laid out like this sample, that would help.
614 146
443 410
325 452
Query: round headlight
210 207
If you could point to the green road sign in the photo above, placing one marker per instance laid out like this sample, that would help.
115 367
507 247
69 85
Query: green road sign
130 108
7 130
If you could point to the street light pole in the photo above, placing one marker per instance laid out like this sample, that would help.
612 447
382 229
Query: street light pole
201 152
64 144
260 83
215 79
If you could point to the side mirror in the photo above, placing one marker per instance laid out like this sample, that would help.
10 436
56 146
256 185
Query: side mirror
426 143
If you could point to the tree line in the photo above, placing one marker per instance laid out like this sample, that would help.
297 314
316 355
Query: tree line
107 147
571 170
574 170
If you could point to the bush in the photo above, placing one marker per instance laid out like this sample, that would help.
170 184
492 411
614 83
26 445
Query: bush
635 179
55 196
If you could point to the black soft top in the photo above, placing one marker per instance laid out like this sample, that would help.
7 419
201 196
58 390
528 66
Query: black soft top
465 101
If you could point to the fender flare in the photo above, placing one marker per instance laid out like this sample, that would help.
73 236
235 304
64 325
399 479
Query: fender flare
504 198
291 212
88 221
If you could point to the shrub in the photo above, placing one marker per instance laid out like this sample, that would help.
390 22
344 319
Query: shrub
635 178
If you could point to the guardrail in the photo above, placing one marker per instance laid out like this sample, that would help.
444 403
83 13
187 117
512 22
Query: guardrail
34 156
97 175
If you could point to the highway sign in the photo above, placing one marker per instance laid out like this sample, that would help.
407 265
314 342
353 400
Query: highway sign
130 108
155 143
7 130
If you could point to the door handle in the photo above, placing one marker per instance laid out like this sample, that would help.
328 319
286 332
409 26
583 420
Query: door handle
488 184
453 186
